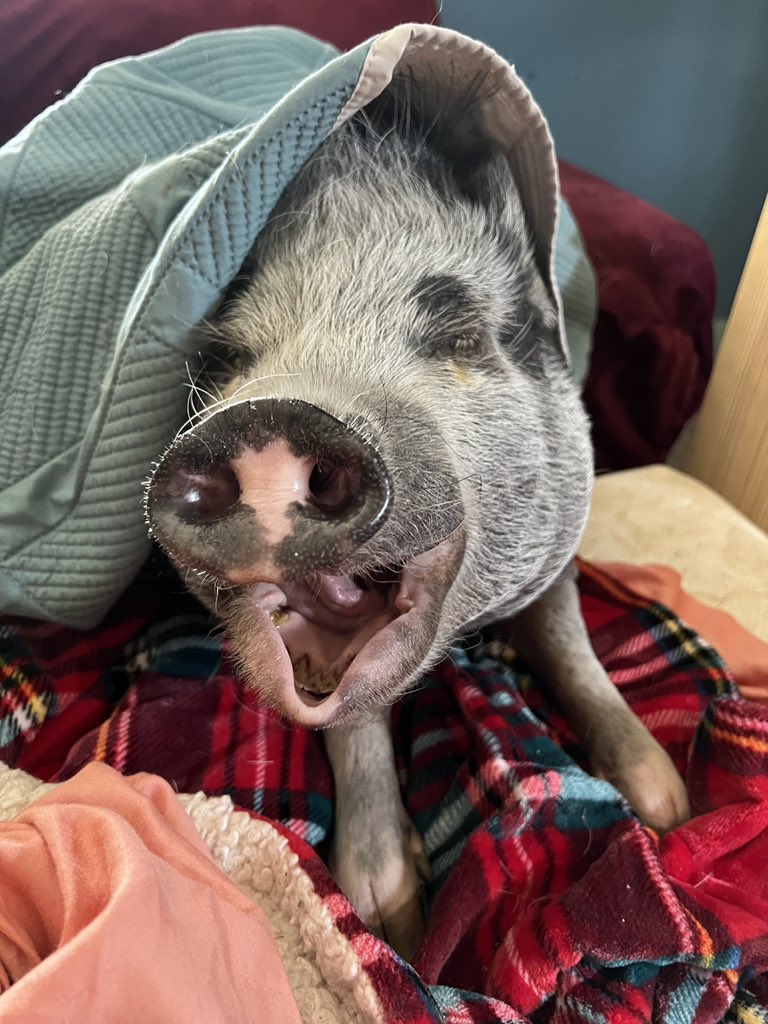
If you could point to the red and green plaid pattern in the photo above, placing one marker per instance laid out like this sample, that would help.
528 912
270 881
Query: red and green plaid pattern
550 901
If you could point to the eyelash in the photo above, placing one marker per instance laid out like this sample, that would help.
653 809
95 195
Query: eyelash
465 343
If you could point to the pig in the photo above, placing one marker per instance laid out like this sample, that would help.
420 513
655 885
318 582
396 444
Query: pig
391 453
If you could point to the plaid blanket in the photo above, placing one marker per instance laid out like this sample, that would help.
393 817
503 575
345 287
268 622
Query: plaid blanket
550 902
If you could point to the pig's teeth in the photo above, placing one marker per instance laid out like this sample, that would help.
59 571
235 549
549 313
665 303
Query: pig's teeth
278 616
318 683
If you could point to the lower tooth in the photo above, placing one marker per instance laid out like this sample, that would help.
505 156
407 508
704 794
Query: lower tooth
318 683
278 616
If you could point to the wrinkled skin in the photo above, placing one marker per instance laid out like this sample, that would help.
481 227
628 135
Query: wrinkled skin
394 288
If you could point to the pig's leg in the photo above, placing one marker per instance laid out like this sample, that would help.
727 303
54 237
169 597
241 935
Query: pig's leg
553 639
377 856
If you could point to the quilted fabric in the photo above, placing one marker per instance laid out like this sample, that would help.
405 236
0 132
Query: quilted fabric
127 209
549 902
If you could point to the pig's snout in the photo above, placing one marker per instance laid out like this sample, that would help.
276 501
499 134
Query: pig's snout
267 490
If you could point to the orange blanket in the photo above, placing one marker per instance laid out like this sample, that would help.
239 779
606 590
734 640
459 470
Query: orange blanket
109 892
744 653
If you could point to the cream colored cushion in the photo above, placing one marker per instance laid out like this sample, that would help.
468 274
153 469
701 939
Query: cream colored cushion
657 515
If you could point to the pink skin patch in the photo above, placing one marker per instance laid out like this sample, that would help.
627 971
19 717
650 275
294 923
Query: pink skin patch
271 481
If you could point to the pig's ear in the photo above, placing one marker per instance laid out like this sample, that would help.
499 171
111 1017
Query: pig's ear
532 336
433 112
488 181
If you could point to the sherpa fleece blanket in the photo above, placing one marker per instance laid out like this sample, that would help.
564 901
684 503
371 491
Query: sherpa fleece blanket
125 212
550 902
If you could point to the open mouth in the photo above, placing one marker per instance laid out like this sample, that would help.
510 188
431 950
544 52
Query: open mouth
329 633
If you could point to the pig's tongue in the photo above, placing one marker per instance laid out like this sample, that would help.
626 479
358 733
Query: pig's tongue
333 602
339 591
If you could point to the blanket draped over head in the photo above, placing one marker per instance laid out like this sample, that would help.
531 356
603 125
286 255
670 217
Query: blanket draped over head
125 212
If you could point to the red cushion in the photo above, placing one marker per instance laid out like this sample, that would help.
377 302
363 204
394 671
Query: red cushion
49 45
652 353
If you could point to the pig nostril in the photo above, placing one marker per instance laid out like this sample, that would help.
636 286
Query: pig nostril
207 496
334 488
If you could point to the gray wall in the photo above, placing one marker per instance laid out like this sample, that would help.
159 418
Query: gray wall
666 98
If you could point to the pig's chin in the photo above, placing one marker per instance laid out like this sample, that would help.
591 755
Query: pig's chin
329 648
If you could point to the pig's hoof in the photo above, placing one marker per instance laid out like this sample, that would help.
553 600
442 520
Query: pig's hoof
643 772
382 875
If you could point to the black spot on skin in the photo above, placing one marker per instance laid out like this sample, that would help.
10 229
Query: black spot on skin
440 295
450 312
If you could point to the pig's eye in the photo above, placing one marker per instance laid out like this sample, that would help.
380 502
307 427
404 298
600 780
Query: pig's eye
450 318
465 343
